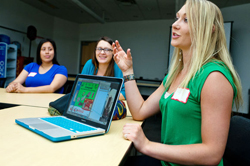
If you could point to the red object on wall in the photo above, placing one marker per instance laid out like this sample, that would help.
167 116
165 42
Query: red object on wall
19 65
21 62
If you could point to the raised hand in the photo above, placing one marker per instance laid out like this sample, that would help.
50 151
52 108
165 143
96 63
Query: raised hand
123 60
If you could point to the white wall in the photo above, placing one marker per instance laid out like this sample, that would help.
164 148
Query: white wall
240 46
66 35
17 15
148 41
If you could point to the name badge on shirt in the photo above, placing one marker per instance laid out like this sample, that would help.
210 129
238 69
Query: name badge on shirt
32 74
166 95
181 95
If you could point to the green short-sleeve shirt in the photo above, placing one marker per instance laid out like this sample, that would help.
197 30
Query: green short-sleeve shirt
181 122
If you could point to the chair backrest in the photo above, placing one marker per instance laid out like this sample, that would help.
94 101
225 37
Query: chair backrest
68 86
237 151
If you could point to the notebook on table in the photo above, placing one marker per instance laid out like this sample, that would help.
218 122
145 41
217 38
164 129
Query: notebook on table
89 111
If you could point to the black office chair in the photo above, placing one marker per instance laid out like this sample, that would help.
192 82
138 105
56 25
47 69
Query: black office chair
2 82
237 151
68 86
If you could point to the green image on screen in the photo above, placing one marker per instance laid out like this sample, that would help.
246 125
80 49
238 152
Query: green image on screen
86 95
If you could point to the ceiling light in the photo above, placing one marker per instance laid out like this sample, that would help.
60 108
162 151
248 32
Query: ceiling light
126 2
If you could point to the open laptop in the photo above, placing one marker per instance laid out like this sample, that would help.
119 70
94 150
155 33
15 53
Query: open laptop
89 112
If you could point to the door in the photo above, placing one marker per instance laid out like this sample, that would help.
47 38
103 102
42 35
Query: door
87 52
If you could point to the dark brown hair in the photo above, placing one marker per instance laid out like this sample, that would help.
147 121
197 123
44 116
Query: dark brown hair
38 57
110 70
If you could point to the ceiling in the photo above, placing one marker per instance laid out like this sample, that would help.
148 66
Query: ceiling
104 11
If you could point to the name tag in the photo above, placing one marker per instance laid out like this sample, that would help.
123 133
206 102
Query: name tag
32 74
166 95
181 95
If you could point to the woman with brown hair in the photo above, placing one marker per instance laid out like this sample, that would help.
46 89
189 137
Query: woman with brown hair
103 64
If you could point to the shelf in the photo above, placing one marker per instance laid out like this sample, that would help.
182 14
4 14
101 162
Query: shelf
10 67
10 76
12 47
9 56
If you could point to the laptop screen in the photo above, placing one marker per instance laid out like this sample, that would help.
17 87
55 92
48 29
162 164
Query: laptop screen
94 99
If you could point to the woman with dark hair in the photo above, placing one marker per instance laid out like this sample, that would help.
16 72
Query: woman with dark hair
103 64
45 76
38 56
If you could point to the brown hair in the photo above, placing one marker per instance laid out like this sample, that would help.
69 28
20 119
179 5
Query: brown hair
110 70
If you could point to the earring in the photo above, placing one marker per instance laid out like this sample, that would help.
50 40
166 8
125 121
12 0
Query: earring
180 54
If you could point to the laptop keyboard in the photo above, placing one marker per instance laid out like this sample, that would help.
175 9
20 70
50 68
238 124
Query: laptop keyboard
69 124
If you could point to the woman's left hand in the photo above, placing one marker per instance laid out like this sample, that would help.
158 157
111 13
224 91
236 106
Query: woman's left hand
20 88
134 133
11 87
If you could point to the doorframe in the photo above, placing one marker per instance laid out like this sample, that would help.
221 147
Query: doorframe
83 43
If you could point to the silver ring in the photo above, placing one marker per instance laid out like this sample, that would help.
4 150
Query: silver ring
125 136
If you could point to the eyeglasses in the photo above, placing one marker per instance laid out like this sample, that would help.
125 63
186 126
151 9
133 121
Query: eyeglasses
106 50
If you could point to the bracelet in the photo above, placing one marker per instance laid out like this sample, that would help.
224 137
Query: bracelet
129 77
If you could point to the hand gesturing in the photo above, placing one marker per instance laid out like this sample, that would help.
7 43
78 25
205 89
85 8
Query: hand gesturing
123 60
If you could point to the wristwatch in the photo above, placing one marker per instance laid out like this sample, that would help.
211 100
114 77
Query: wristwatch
129 77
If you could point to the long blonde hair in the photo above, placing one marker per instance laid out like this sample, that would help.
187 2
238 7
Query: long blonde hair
208 42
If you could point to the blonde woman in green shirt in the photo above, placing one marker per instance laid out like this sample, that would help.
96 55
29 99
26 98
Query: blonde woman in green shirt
195 98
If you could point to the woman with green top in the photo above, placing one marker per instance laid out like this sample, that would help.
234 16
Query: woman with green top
195 98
